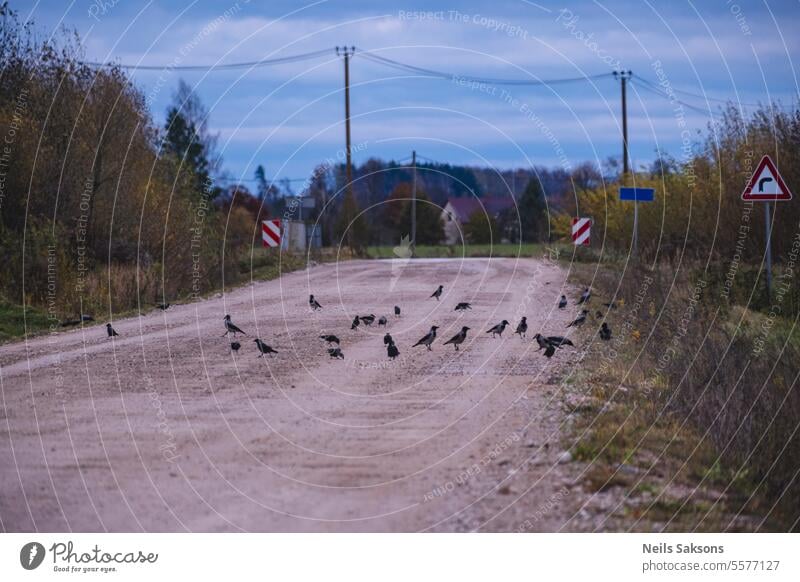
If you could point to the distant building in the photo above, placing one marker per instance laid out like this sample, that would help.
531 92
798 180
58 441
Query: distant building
457 211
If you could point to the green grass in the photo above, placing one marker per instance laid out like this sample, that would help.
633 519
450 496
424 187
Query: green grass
16 320
456 251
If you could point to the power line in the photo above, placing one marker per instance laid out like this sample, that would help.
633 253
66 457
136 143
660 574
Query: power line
641 84
215 67
488 80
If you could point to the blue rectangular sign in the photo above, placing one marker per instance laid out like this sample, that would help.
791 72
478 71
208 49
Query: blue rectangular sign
637 194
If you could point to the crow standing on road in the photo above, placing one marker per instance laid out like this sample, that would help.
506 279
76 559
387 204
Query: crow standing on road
438 292
230 328
459 338
163 306
498 329
263 348
559 341
314 303
356 322
392 351
584 297
428 339
336 353
522 328
110 330
396 311
463 306
388 339
605 332
550 350
563 302
368 319
382 320
330 338
578 321
235 347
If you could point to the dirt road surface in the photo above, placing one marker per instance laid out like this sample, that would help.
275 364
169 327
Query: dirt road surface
165 429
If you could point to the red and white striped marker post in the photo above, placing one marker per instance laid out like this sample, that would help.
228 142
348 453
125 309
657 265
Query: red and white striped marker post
271 233
581 231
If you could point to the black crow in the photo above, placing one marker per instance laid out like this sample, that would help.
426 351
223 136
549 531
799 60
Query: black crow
428 339
356 322
163 306
264 348
563 302
459 338
522 328
498 329
382 320
550 350
336 353
463 306
438 292
368 319
330 338
314 303
392 351
584 296
605 332
396 311
578 321
559 341
235 346
110 330
230 328
387 339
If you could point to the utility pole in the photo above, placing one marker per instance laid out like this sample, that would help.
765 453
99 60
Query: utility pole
623 76
347 52
413 202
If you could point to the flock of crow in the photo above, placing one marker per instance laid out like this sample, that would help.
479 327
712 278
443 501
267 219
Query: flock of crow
548 343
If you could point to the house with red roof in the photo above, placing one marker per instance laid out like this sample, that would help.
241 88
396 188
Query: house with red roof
457 212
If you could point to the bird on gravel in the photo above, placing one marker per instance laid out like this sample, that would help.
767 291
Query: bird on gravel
522 328
605 332
392 351
368 319
163 306
550 350
382 320
459 338
498 329
428 339
584 297
438 292
396 311
314 303
330 338
388 339
356 322
559 341
235 346
230 328
336 353
563 302
463 306
578 321
264 348
110 330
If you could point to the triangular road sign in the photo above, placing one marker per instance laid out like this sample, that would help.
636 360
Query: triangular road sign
766 184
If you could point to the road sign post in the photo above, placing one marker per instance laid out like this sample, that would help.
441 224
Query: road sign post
767 185
581 231
636 195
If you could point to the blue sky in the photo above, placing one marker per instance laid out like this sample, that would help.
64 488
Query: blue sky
290 117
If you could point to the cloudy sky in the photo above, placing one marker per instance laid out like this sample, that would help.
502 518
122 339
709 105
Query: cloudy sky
290 117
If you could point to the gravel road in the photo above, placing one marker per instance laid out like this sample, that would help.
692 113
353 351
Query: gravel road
164 429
